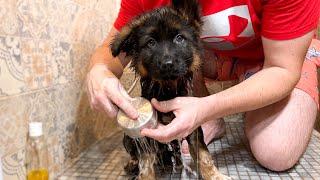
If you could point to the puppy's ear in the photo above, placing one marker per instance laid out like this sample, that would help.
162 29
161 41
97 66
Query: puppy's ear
190 9
122 42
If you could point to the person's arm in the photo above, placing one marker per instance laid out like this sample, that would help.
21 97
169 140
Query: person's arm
105 91
102 55
280 74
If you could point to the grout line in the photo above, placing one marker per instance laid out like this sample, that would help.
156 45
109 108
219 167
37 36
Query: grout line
33 91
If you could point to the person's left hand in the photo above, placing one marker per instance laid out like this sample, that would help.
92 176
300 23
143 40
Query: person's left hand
188 116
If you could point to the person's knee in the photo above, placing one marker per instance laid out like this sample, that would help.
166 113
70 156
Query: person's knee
274 156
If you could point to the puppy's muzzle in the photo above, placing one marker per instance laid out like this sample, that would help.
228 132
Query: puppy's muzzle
166 65
168 70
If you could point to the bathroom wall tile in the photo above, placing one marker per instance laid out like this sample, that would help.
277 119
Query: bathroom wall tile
89 26
13 165
85 3
62 65
35 17
13 131
61 19
77 126
13 124
9 21
109 9
37 63
79 56
11 69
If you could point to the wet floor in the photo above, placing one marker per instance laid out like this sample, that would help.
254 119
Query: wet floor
105 159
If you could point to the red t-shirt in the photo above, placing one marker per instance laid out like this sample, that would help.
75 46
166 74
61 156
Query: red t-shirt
234 27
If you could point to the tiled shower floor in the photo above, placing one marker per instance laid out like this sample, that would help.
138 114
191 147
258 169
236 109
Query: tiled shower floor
105 159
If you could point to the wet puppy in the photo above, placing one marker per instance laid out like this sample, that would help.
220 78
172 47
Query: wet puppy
166 52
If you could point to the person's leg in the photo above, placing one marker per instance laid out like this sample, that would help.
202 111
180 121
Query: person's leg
279 134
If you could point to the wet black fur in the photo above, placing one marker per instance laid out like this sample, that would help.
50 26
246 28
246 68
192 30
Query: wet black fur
151 41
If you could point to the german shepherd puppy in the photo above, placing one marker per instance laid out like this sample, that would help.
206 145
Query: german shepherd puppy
166 52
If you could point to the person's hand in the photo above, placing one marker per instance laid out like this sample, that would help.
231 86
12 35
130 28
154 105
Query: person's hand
189 116
106 93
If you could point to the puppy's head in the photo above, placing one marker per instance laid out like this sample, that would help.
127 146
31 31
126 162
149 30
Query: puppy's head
163 44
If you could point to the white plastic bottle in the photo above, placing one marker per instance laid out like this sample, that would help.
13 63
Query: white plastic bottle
36 153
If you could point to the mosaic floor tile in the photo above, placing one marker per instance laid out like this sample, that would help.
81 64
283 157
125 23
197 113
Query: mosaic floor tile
107 158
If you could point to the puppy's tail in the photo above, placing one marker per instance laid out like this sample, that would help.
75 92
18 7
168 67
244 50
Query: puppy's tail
188 8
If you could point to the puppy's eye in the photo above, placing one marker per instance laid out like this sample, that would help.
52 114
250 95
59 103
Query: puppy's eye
151 43
179 39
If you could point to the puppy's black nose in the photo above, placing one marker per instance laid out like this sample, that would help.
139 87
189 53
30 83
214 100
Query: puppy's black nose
166 65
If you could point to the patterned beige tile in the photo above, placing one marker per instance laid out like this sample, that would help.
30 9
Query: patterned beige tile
79 56
62 65
61 19
86 3
89 26
109 9
13 165
37 63
9 21
35 17
11 70
13 124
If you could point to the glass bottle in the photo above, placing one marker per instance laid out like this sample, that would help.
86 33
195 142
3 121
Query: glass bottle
36 153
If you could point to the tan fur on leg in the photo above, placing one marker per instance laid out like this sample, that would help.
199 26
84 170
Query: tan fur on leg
146 167
202 157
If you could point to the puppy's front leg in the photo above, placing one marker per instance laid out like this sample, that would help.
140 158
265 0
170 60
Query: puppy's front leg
146 166
202 157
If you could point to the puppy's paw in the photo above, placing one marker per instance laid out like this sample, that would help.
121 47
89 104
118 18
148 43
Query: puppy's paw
213 174
220 176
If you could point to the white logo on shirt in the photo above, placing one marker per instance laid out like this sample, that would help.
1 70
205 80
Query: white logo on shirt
217 28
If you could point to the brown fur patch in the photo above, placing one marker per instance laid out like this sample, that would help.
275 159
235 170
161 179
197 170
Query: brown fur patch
175 25
207 167
139 21
142 70
196 63
149 30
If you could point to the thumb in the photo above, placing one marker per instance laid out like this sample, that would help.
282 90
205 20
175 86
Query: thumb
164 106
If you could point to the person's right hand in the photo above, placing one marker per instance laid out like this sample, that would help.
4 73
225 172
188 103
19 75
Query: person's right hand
107 94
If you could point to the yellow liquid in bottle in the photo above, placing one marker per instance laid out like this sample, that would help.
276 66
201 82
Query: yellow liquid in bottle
41 174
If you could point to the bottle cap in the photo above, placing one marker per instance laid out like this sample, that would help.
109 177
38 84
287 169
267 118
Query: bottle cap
35 129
